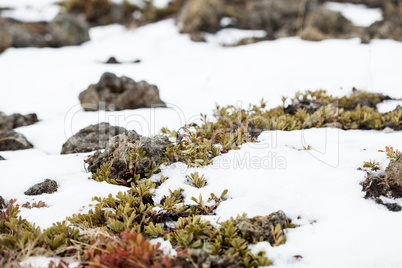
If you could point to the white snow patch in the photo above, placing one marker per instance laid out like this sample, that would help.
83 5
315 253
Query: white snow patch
388 105
30 14
161 3
359 15
231 36
165 246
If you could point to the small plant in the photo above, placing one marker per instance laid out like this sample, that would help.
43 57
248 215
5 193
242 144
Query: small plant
373 165
307 148
278 235
205 210
219 199
390 152
196 180
40 204
128 249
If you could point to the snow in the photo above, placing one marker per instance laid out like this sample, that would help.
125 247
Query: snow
321 185
358 14
30 11
388 105
232 36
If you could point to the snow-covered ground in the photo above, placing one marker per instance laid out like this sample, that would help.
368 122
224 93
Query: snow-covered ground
338 227
359 15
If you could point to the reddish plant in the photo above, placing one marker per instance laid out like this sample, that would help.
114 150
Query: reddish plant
129 249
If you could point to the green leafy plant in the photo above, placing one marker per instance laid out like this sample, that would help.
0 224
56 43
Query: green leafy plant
373 165
278 235
219 199
196 180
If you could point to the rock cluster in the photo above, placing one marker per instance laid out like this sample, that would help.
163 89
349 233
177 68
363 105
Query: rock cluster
64 30
282 18
279 18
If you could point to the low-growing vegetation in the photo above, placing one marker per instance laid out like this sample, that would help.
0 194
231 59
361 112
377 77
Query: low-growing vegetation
117 229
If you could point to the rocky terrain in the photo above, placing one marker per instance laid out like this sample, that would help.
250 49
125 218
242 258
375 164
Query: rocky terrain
200 133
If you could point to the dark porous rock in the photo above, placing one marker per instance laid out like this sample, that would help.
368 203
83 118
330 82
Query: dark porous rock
119 93
91 138
2 158
11 141
388 185
260 226
357 97
2 202
101 12
388 28
64 30
394 176
119 147
67 30
112 60
374 186
46 187
277 17
197 36
323 24
6 39
203 259
200 16
23 34
8 122
390 206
